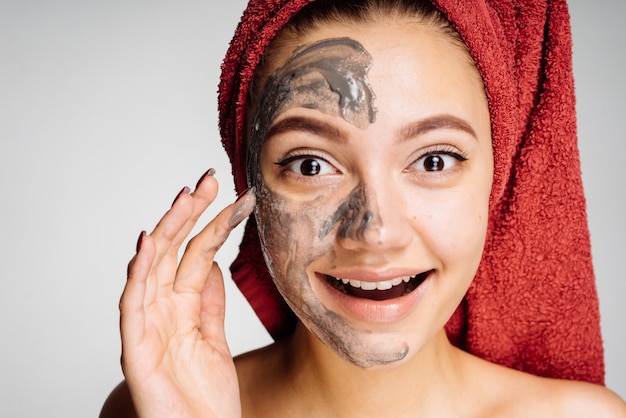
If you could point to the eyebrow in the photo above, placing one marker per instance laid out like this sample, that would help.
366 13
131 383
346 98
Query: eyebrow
436 122
412 130
313 126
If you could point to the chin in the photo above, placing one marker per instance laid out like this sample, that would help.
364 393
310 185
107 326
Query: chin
370 333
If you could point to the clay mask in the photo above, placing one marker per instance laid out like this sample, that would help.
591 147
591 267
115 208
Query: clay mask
295 237
329 76
352 217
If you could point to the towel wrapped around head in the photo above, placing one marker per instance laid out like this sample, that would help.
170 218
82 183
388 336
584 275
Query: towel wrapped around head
533 304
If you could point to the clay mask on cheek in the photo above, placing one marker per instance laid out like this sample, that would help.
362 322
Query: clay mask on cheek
329 75
293 237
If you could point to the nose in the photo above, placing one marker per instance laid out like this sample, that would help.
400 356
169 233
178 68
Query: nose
373 219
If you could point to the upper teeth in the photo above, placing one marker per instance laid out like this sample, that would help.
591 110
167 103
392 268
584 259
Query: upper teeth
384 285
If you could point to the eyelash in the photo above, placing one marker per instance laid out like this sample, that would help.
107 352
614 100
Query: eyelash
301 155
445 150
294 157
438 150
442 150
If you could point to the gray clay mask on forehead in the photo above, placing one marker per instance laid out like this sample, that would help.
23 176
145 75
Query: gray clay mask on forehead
329 75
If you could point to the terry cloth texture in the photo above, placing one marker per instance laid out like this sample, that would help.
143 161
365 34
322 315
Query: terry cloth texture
533 304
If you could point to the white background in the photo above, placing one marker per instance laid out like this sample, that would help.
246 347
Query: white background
108 108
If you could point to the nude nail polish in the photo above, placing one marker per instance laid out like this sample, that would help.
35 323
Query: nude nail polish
242 207
245 192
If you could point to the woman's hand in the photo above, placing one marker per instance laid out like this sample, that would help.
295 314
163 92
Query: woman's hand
174 352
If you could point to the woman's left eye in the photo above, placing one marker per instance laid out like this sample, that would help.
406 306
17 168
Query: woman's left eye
438 161
308 166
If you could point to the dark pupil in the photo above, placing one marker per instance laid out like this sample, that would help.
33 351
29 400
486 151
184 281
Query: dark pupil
310 167
433 163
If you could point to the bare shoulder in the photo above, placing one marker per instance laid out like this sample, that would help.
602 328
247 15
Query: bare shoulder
571 399
119 404
579 399
512 393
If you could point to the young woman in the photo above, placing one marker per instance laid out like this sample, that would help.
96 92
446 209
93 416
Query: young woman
381 162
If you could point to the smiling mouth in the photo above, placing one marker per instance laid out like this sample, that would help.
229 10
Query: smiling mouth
383 290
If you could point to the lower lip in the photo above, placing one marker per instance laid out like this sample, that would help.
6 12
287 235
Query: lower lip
375 311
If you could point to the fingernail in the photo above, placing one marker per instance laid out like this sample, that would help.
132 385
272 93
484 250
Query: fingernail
245 192
243 207
210 172
184 190
140 240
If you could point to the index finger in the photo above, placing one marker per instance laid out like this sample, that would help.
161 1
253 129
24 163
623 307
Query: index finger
198 258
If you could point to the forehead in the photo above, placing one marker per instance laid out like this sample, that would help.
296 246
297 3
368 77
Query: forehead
329 75
411 64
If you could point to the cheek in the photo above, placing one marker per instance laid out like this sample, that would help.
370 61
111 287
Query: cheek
454 227
290 233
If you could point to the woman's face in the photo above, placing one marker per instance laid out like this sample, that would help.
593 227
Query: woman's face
373 185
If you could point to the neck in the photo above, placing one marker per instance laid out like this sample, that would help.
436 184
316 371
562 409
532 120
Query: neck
424 383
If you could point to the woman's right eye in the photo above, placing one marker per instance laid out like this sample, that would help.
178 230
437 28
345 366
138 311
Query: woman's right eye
307 165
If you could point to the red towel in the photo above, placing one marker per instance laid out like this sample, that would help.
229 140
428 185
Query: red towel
533 304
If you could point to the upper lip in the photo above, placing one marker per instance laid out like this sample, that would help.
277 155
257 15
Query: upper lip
374 276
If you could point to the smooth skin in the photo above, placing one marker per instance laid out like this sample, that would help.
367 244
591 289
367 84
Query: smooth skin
177 362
